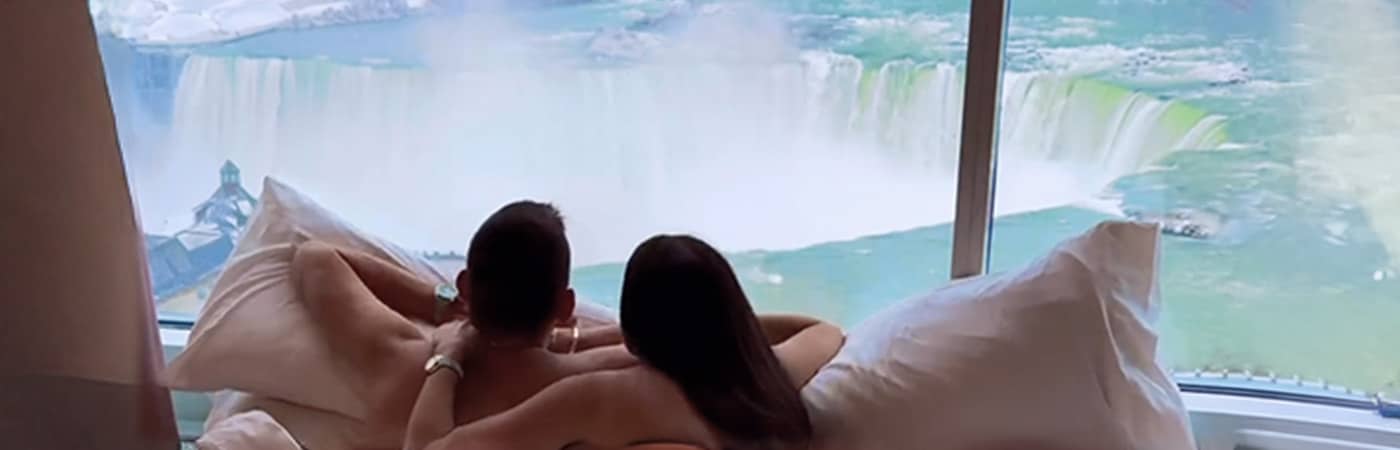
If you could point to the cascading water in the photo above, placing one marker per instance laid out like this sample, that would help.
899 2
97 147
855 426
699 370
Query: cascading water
750 156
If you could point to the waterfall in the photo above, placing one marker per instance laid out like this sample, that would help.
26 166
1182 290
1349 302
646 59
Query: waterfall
749 156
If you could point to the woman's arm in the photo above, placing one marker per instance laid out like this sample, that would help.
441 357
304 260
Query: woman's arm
569 411
433 415
808 350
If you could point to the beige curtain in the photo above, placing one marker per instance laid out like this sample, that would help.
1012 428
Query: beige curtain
79 350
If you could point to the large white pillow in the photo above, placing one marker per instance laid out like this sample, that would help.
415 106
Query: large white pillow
255 336
247 430
1061 354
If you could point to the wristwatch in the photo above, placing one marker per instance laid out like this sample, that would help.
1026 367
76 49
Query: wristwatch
440 361
443 296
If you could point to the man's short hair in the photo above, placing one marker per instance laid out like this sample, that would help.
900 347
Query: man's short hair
518 264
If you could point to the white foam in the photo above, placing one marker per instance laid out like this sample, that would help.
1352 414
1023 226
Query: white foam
177 22
920 28
1143 66
180 28
1055 28
616 43
634 14
245 18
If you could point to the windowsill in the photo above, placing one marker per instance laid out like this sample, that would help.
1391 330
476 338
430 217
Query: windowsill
1227 422
1219 421
1291 411
191 408
173 341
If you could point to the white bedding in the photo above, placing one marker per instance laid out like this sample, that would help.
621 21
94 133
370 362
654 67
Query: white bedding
1061 354
251 430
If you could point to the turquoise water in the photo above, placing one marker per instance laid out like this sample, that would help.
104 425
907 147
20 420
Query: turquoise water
816 142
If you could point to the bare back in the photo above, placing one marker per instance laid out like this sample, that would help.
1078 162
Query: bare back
384 348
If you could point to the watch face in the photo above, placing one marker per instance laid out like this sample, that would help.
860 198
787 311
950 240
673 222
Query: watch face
446 293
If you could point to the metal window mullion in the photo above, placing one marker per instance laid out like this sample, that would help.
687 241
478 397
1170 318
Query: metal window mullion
977 154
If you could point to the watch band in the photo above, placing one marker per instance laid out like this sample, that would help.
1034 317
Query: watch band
441 361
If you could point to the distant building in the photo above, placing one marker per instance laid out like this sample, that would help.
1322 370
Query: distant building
446 263
184 265
190 258
230 206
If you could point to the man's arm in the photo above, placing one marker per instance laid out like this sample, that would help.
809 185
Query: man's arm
778 328
399 289
562 339
599 347
806 352
803 344
376 342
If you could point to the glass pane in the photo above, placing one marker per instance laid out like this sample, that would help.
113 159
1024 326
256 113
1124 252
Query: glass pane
1260 133
813 141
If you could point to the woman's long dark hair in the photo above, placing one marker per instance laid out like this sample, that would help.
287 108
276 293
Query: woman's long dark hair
684 313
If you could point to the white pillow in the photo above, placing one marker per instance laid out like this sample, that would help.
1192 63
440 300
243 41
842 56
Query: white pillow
247 430
1061 354
313 428
255 336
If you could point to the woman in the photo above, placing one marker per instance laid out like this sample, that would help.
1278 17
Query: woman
708 376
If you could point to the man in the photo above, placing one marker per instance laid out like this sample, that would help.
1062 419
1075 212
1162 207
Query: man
515 289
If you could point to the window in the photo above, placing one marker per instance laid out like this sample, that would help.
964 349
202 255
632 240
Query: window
814 141
1259 133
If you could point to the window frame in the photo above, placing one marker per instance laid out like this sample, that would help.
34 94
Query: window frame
977 158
